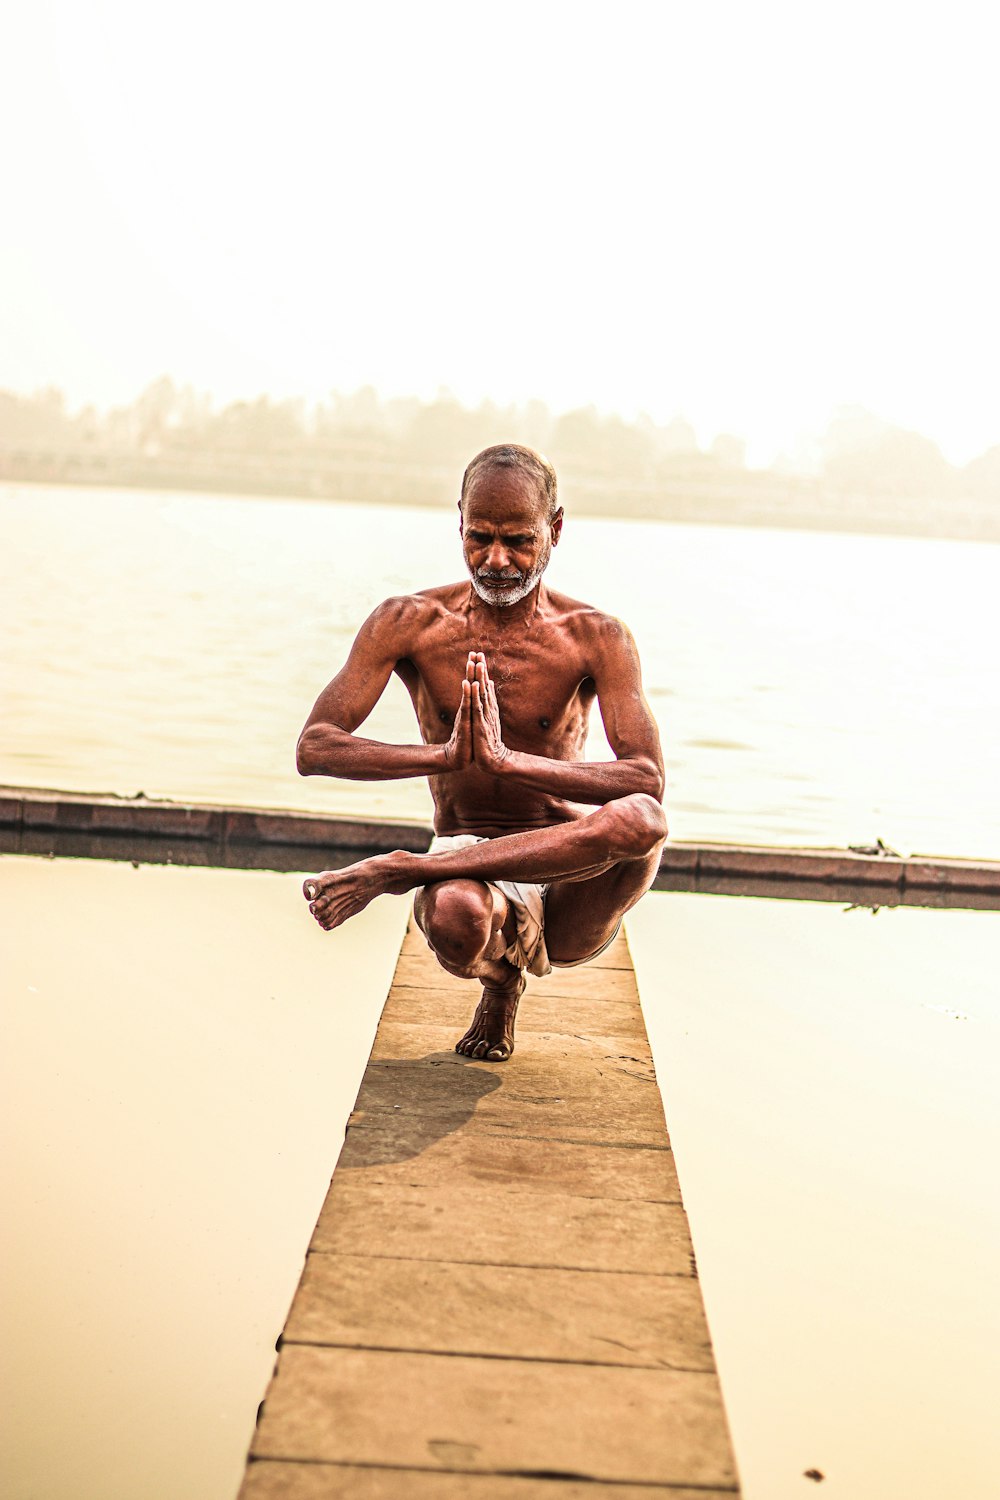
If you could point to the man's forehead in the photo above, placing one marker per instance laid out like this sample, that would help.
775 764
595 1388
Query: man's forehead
505 495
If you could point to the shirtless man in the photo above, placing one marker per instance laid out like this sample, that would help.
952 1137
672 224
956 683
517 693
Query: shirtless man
502 672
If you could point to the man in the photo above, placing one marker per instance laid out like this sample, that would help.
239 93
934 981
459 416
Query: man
502 671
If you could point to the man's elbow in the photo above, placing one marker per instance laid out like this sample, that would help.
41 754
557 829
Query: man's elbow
653 781
305 762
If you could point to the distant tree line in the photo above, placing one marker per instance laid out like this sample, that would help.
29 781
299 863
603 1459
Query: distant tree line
179 431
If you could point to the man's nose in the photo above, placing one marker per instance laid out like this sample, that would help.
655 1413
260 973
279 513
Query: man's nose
498 558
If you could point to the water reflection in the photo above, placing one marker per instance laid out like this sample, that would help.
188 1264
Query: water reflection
830 1083
182 1049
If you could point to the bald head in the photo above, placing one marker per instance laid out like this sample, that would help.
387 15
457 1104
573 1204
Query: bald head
534 466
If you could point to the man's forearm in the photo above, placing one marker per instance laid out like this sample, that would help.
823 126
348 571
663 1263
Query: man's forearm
326 750
593 781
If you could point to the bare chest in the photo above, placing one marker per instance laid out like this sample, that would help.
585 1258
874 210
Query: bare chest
542 685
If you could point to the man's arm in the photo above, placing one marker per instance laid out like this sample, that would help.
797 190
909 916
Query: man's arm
628 724
328 745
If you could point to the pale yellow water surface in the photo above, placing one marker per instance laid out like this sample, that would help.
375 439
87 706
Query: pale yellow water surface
181 1049
832 1086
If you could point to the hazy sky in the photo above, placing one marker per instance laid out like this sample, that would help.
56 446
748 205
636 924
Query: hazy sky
748 213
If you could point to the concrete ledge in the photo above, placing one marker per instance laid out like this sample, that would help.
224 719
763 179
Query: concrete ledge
33 821
843 867
31 809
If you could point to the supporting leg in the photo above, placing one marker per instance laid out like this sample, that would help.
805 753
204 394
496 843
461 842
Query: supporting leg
466 922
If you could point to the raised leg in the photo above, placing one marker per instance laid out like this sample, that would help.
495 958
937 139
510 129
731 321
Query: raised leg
629 829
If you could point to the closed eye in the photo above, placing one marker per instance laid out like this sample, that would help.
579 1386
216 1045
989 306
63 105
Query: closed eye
509 541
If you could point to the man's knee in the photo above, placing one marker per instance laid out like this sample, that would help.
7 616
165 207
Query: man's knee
457 919
638 825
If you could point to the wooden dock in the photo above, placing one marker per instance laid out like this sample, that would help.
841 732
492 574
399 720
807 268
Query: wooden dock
500 1300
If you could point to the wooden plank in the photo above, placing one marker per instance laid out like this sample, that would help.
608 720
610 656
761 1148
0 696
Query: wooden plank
437 1307
482 1163
431 1086
592 1049
399 1136
514 1228
581 983
500 1297
427 1006
365 1406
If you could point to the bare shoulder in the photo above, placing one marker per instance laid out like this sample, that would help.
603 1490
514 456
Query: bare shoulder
445 598
598 633
403 619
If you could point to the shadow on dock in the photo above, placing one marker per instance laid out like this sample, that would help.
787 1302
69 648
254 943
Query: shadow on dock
406 1105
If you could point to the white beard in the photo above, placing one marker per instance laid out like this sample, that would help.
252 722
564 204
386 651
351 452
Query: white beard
502 595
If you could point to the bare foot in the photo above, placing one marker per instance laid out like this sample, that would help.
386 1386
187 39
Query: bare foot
336 895
491 1035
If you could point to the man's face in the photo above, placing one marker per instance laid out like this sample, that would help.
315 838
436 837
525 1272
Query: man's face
507 536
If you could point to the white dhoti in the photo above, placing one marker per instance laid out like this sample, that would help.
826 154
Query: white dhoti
527 901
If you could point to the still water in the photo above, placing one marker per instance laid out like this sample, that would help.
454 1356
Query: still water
181 1052
830 1082
810 688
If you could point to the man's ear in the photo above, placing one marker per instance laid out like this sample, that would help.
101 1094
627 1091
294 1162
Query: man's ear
556 526
461 520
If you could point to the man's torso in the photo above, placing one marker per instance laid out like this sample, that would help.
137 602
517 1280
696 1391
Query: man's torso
542 669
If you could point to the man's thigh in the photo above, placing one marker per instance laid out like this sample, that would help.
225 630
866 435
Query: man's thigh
582 916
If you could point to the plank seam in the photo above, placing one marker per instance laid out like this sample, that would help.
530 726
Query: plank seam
506 1135
528 1194
554 1476
526 1359
512 1265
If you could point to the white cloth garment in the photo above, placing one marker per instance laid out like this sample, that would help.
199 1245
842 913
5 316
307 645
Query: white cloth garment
528 950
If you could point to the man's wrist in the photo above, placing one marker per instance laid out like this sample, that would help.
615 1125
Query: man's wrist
504 764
